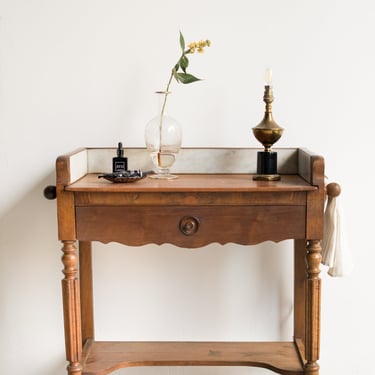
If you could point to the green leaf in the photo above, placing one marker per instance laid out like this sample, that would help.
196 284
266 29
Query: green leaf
184 63
175 75
186 78
182 42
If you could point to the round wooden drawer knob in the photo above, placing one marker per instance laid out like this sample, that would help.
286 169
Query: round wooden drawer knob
333 189
189 225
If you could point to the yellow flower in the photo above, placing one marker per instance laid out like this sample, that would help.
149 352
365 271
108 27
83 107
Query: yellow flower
204 43
199 46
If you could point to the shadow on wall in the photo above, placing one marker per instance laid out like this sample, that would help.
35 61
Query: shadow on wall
31 323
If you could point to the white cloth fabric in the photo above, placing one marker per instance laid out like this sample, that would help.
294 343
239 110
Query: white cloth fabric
335 250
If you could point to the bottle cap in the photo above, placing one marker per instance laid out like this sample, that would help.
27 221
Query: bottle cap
120 151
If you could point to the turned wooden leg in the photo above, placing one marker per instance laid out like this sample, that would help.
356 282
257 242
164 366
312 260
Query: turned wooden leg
312 325
72 311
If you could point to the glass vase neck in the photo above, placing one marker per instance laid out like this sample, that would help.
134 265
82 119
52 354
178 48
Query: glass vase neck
162 97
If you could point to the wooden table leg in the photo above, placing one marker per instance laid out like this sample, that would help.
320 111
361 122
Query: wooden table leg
72 308
86 289
312 325
299 293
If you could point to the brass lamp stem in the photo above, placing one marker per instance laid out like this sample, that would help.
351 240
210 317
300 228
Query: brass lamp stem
268 98
268 118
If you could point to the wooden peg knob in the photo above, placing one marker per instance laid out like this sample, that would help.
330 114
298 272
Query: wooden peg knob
333 189
49 192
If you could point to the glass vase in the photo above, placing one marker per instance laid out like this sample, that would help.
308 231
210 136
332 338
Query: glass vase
163 137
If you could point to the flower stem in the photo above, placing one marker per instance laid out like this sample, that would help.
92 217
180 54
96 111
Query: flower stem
166 92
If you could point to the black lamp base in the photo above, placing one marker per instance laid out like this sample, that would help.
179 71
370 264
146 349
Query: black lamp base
267 166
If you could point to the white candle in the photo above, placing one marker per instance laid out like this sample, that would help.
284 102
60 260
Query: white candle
268 77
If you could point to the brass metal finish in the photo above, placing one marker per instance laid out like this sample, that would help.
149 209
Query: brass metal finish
268 132
266 177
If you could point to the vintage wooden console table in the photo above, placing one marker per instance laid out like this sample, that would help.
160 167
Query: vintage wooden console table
214 200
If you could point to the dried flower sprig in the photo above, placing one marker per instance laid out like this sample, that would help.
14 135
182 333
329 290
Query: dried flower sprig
183 61
179 72
183 64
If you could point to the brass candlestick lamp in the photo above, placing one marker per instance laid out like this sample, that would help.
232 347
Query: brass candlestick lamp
267 132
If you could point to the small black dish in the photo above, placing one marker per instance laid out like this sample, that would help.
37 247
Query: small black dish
125 176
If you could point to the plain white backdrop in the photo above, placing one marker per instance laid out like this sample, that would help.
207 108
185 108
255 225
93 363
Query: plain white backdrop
79 73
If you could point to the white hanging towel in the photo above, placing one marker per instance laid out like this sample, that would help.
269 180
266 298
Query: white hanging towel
335 251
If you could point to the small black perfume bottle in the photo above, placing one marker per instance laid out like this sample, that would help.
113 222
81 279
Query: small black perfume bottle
119 163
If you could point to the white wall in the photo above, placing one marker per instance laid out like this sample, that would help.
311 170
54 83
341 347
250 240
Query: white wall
82 73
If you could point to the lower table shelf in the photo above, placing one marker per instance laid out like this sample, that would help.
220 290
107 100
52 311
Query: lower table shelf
104 357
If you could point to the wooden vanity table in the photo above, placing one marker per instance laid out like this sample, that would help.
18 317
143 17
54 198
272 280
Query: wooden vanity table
214 200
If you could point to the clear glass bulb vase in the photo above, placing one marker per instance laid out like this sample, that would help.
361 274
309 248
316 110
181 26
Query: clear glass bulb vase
163 137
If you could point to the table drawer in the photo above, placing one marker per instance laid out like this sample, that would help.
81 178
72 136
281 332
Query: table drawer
190 226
